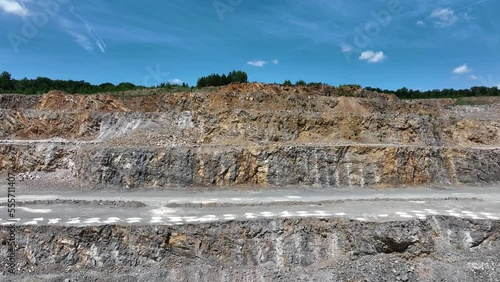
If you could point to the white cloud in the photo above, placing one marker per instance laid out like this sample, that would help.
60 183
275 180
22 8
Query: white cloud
372 57
83 34
257 63
79 36
473 77
379 57
498 86
366 55
14 7
461 69
420 23
444 17
98 41
345 48
175 81
101 44
261 63
82 40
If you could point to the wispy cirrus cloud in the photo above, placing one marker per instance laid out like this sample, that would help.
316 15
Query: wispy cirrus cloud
73 30
444 17
82 40
14 7
92 36
81 31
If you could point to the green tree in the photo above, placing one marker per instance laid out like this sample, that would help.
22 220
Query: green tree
124 86
287 83
300 83
107 87
238 77
6 82
315 84
220 80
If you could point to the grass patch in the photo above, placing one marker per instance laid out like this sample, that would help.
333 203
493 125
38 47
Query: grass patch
468 101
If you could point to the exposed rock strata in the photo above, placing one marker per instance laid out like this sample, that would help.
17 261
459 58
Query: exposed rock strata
355 166
251 134
436 249
288 165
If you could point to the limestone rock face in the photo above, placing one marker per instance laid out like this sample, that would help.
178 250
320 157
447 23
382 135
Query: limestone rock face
281 249
251 135
355 165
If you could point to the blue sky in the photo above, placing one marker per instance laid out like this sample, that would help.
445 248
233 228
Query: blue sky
420 44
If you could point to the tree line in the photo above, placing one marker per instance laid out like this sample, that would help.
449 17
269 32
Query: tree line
301 83
43 85
405 93
221 80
